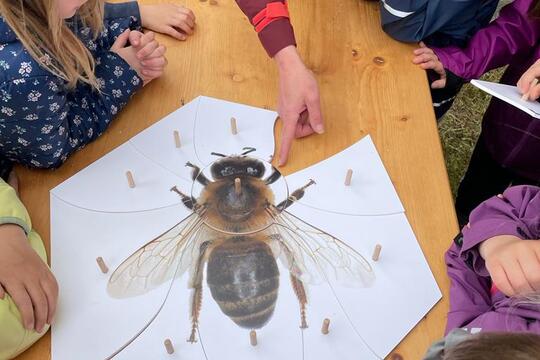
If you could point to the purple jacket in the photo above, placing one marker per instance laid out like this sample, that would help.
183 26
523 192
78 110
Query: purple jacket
472 305
511 136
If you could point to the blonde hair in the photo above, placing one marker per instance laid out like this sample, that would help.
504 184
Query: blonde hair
49 40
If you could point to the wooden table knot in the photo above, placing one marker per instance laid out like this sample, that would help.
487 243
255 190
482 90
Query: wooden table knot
237 78
379 60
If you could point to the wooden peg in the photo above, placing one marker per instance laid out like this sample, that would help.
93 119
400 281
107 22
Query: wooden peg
168 346
130 179
234 128
253 337
102 266
325 326
348 178
177 139
238 186
376 252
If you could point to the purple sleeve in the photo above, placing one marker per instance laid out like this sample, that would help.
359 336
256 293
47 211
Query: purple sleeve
277 35
512 33
516 212
469 292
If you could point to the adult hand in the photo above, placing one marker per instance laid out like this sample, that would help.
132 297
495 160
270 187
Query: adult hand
298 93
513 264
26 278
428 60
528 79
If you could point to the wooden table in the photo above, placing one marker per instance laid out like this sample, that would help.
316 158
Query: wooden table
368 86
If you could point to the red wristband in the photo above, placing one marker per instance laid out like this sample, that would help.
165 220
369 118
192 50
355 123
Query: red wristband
272 12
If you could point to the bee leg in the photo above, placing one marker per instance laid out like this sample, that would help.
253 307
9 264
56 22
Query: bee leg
196 282
295 196
274 176
300 291
197 175
189 201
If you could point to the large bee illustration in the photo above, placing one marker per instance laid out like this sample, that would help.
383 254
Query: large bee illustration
237 231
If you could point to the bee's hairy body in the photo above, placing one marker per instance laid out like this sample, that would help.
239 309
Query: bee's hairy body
242 273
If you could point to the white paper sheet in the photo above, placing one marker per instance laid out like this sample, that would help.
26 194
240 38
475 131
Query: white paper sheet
370 193
509 94
95 213
203 124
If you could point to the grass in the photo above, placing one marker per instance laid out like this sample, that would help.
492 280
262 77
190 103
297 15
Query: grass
460 126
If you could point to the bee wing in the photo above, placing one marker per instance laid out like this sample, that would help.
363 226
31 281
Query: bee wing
167 256
314 256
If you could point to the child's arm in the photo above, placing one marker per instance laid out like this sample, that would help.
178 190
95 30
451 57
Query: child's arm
492 242
414 21
512 33
24 275
469 292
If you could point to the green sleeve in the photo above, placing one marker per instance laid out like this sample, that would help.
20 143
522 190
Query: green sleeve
12 211
14 338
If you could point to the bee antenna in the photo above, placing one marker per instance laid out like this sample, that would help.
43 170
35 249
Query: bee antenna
248 150
217 154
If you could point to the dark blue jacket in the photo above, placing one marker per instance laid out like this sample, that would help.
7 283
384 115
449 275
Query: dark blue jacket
41 121
436 22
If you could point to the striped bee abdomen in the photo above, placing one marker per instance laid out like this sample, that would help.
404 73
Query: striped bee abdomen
243 278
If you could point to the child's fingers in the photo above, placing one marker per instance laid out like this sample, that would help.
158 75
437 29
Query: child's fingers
184 25
50 287
159 52
39 302
121 41
534 93
147 49
152 74
185 18
155 62
175 33
146 39
530 265
423 58
2 292
135 38
500 279
517 278
439 84
24 304
431 64
422 44
421 51
187 12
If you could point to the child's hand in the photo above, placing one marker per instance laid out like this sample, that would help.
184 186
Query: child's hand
427 59
513 264
168 19
524 83
26 278
145 55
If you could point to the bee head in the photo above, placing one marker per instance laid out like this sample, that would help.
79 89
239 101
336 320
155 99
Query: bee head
237 165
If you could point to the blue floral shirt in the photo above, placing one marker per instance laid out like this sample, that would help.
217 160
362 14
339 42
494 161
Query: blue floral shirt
41 121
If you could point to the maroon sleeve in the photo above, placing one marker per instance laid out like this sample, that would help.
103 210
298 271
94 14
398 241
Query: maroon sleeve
275 36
